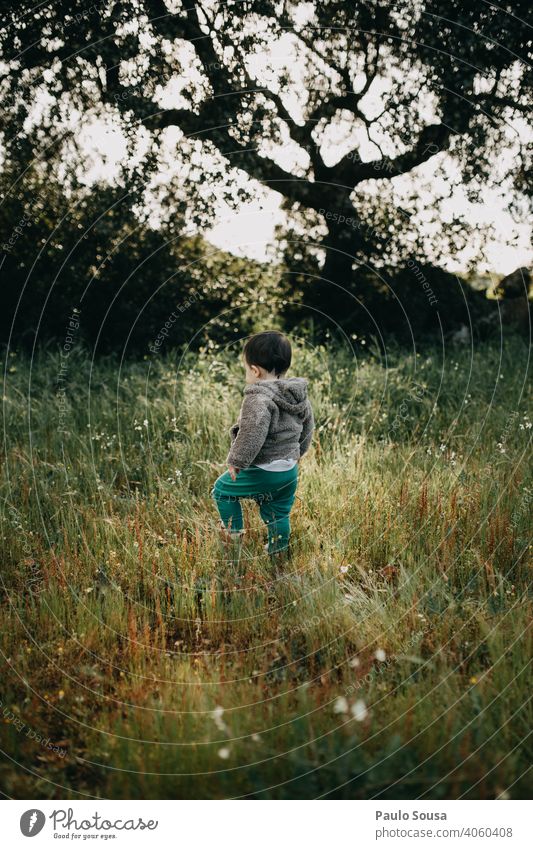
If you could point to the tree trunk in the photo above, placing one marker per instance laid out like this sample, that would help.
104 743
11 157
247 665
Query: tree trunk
332 296
343 243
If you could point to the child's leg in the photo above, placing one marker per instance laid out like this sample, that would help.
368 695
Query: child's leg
275 512
228 504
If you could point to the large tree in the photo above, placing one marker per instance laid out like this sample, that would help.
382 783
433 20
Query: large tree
367 91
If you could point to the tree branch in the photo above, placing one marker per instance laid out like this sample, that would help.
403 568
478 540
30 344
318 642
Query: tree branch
506 102
258 167
215 72
431 140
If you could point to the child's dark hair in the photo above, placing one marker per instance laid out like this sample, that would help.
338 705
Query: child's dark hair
271 350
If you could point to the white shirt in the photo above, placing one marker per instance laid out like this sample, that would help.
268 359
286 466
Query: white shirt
277 465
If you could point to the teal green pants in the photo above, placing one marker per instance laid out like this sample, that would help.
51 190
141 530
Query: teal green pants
273 491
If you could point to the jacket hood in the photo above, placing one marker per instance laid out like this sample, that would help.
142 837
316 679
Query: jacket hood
289 393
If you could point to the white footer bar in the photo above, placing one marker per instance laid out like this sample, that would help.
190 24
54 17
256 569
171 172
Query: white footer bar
268 824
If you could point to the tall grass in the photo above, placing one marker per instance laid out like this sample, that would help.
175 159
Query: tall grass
389 659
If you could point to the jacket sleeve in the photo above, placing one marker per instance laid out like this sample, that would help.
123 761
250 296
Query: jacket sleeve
307 430
254 422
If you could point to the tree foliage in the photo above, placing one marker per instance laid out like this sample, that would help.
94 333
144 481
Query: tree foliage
363 93
133 288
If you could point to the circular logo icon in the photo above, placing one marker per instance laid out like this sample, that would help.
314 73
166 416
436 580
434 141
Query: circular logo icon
32 822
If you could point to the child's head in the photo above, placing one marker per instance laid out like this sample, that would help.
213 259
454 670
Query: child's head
266 355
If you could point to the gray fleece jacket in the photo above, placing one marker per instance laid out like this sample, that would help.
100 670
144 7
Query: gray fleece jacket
275 422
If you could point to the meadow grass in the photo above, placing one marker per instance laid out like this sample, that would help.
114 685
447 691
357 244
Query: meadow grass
388 659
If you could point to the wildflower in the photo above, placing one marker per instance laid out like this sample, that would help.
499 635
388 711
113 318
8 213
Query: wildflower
61 694
145 422
359 710
340 705
217 715
473 679
354 662
256 738
344 569
379 654
224 753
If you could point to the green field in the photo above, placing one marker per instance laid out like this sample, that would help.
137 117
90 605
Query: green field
390 659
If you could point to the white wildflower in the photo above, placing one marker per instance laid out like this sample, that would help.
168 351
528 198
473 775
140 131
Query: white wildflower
340 705
217 715
359 710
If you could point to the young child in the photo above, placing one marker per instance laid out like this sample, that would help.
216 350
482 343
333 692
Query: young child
273 431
